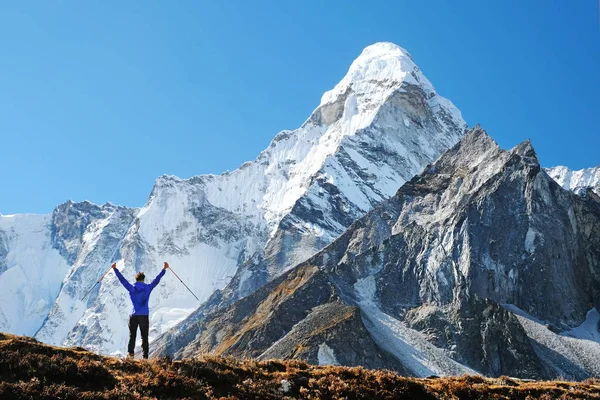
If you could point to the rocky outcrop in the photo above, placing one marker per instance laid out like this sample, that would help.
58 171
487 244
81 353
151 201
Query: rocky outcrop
331 326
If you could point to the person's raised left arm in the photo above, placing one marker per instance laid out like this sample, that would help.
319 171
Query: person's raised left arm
159 276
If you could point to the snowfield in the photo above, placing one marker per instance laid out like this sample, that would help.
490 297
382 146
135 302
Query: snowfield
569 353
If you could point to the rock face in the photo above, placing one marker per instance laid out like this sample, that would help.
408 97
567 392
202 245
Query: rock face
482 263
377 128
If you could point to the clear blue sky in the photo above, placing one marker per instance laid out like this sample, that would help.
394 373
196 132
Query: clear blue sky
97 99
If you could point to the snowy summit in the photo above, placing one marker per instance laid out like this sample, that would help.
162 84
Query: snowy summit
371 133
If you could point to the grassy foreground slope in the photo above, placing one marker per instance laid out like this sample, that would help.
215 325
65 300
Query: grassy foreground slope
32 370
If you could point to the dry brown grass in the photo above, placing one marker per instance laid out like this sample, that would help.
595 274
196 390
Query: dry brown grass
31 370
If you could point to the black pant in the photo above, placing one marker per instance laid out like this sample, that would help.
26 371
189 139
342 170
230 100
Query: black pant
144 323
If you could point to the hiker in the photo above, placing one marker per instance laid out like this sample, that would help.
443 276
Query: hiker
140 295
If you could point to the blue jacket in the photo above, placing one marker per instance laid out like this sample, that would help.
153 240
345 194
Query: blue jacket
140 292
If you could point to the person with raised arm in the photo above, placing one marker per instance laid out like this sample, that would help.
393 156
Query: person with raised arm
139 293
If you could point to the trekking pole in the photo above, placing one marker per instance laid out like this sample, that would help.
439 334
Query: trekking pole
186 286
102 277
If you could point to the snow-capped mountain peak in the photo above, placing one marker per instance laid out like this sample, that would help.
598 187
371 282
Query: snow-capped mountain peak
576 180
379 68
376 129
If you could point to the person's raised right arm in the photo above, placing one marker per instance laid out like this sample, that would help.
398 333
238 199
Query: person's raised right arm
122 279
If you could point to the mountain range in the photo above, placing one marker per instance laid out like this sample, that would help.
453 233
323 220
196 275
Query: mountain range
347 241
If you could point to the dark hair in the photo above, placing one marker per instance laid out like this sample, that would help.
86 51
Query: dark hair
139 277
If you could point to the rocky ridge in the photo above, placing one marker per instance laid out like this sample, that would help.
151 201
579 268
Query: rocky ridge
482 263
